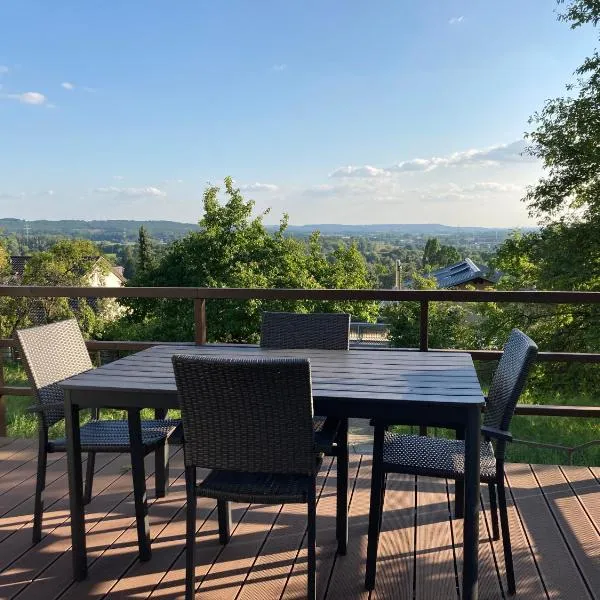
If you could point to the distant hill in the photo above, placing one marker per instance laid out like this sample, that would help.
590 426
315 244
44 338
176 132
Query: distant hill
127 230
117 230
396 228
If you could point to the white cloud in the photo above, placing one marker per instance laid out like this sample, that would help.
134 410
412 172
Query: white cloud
259 187
364 171
132 192
278 68
456 20
27 98
4 70
67 85
32 98
493 186
11 195
118 177
492 156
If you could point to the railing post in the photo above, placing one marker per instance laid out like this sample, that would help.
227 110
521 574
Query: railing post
200 320
3 424
424 328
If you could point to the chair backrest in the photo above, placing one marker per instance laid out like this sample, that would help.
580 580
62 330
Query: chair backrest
248 415
50 354
509 379
327 331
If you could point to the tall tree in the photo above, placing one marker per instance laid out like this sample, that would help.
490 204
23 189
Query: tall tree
436 255
234 249
144 256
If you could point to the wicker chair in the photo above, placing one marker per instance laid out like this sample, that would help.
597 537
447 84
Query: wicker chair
327 331
440 457
54 352
250 420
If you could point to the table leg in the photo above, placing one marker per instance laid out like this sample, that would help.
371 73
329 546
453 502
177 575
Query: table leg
471 519
78 552
139 483
342 488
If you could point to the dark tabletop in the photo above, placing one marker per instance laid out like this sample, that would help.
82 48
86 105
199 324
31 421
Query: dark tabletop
395 376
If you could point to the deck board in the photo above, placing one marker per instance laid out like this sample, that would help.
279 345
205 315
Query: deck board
558 569
554 514
435 564
578 530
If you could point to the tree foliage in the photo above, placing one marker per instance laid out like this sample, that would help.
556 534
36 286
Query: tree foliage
233 248
66 263
437 256
144 251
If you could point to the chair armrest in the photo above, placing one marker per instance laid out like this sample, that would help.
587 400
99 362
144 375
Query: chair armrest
41 408
497 434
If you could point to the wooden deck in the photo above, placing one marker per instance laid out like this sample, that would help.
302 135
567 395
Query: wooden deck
554 514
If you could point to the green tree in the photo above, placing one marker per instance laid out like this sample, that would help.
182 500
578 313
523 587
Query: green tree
436 255
565 253
233 248
66 263
144 251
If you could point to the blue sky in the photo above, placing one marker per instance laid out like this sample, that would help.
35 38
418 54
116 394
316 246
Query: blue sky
331 110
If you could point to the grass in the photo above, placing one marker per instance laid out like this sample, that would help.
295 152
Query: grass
566 431
22 424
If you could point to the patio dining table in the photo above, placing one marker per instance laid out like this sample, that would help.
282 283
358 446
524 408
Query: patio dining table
395 386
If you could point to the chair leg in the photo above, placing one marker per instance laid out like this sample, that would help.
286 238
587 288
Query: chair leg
312 541
161 470
89 477
224 516
459 485
40 485
342 488
494 510
376 508
508 561
190 533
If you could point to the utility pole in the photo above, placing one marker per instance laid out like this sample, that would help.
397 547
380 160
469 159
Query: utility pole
27 230
398 270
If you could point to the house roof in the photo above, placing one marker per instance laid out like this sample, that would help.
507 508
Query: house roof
463 272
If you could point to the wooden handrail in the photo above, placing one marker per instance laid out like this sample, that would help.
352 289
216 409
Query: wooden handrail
199 295
529 297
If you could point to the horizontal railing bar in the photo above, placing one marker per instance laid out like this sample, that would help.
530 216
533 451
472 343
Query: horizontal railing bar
584 357
553 410
536 297
15 390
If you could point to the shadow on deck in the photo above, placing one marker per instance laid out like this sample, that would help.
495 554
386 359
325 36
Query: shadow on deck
554 513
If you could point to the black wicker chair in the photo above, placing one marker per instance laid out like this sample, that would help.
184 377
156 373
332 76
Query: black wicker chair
327 331
250 420
440 457
54 352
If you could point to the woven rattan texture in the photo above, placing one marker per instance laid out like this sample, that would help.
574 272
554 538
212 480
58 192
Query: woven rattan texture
113 436
326 331
436 457
247 415
255 487
52 353
509 380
